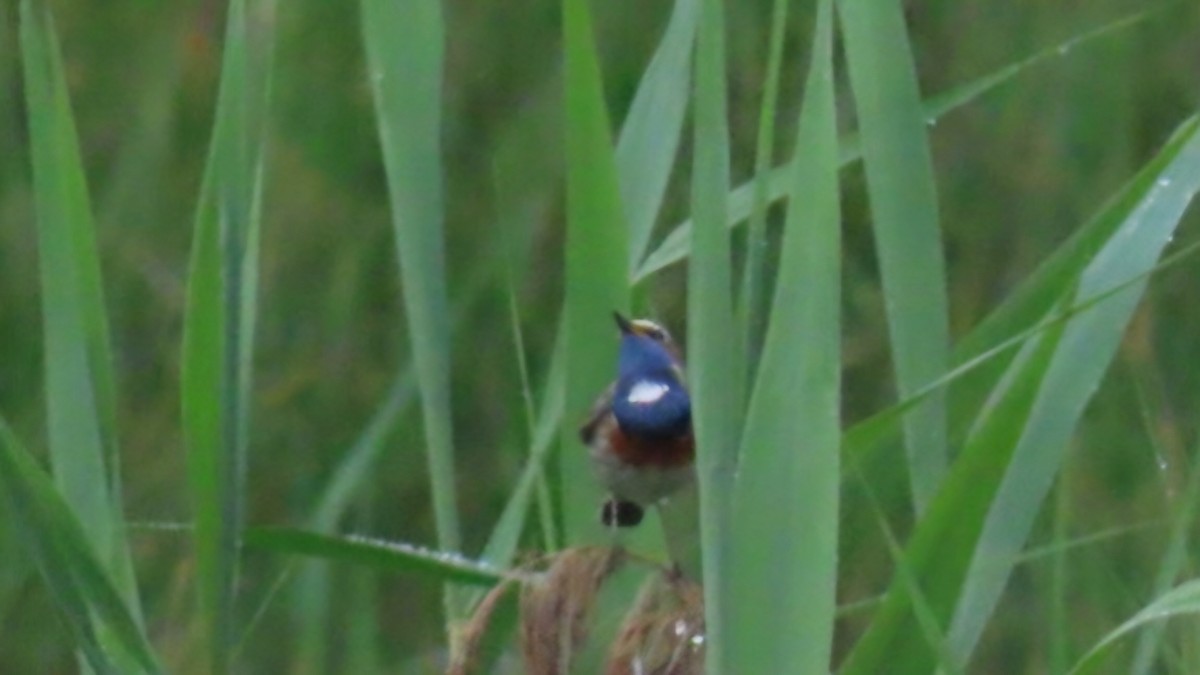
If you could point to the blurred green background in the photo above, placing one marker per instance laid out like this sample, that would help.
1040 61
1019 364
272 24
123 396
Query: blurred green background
1017 172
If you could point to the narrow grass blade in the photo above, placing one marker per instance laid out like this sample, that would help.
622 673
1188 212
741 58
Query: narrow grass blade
1058 623
405 48
905 220
963 94
1053 279
363 652
650 134
956 526
1174 562
786 498
597 272
677 245
752 305
376 553
714 370
99 620
927 620
514 242
502 543
313 585
938 552
1179 601
1087 346
80 390
869 434
861 441
219 321
347 483
12 158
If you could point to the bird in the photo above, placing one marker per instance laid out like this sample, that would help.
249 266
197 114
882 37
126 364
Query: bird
639 433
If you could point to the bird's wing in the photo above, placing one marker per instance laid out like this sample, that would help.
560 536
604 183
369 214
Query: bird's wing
602 407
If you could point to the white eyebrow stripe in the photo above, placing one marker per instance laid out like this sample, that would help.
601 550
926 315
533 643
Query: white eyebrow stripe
645 392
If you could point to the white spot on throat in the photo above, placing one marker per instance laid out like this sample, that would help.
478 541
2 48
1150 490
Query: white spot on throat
645 392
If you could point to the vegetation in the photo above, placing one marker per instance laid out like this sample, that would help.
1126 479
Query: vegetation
301 306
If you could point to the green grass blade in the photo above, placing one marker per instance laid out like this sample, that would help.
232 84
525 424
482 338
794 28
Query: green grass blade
938 105
219 323
1057 623
1087 346
938 551
80 390
1174 562
786 498
905 220
714 372
677 245
752 304
868 435
597 272
313 584
347 481
405 48
373 552
927 620
99 620
508 529
650 135
502 543
1052 279
1179 601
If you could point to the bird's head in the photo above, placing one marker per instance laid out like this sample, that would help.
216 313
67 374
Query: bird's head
650 398
646 349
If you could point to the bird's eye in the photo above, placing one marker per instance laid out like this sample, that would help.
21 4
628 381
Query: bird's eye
656 334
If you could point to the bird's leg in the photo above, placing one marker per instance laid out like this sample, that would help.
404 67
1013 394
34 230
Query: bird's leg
621 513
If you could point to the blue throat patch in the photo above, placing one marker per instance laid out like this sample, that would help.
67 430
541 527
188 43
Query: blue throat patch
649 401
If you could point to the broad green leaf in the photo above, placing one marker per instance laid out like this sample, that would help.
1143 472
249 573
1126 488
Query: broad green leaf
405 49
1082 357
597 270
714 372
650 134
80 390
904 217
677 245
784 557
1179 601
218 334
386 555
99 620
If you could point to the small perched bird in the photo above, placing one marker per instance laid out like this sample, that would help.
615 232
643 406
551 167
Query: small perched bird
639 434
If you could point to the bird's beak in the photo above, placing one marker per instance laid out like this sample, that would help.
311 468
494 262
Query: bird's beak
623 323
